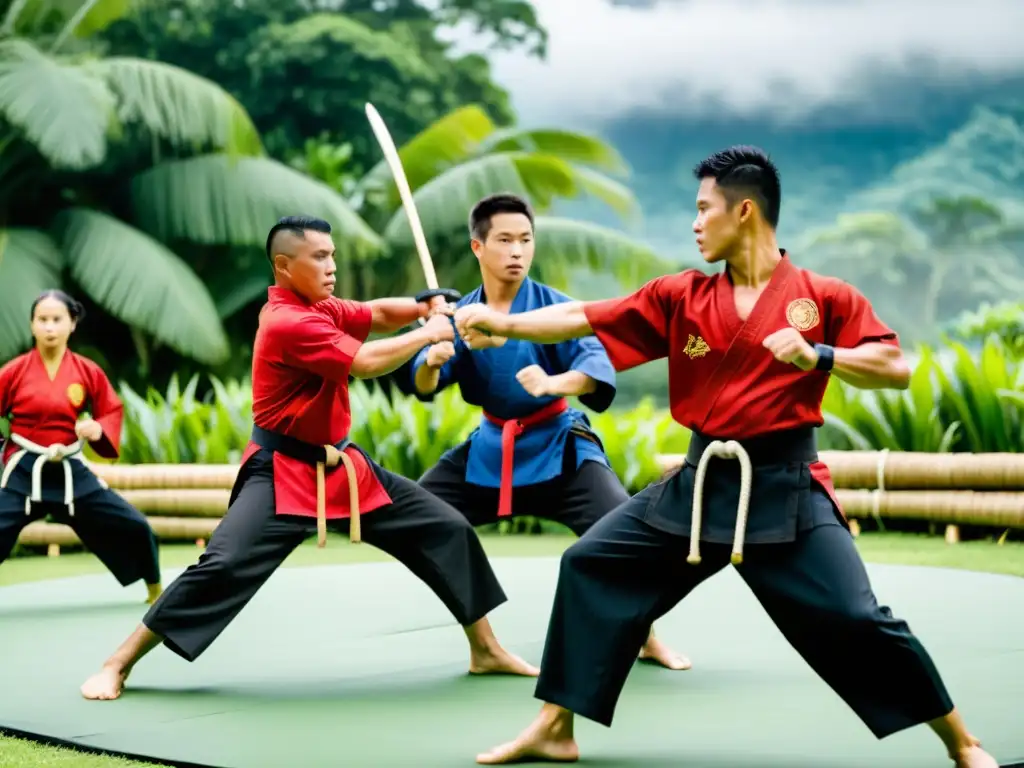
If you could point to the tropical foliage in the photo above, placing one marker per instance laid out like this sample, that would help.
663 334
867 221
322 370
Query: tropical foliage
1004 320
465 156
102 162
955 402
950 254
144 147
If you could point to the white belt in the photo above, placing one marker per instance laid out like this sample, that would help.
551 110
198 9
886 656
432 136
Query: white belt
727 450
56 453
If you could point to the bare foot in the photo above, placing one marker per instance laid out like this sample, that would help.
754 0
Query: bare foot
548 739
499 662
153 591
975 757
657 652
105 685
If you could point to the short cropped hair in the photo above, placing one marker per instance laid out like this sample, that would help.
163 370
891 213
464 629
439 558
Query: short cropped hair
745 172
295 225
482 213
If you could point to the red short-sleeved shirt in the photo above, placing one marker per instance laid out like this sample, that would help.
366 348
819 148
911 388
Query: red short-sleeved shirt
45 411
301 362
722 381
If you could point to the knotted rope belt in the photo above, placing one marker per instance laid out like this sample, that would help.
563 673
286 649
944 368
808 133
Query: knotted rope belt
322 457
722 450
56 453
782 447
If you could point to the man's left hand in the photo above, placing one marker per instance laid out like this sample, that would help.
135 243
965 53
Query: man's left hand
788 346
88 429
534 380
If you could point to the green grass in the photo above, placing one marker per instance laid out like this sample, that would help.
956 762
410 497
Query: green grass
907 549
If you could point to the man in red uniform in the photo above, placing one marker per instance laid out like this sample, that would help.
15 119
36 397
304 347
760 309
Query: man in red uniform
307 345
750 352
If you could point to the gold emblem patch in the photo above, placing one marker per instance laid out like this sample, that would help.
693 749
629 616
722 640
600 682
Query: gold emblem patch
802 314
76 394
696 347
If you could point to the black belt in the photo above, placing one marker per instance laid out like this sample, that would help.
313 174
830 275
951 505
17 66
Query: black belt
772 448
294 448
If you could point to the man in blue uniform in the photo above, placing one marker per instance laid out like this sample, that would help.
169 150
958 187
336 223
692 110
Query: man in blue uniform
532 454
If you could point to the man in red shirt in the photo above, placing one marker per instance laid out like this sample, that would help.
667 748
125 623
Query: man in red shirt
750 352
307 345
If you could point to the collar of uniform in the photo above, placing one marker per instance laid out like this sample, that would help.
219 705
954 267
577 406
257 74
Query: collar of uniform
278 295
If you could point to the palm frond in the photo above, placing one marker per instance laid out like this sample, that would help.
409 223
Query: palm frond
217 200
173 103
444 202
65 112
30 263
242 275
142 283
564 245
81 18
568 145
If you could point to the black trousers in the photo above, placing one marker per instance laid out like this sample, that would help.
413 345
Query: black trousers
109 527
623 574
426 535
577 498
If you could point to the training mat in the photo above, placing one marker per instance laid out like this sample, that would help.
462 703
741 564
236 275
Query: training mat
360 665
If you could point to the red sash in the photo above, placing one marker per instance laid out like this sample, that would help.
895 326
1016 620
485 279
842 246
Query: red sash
510 430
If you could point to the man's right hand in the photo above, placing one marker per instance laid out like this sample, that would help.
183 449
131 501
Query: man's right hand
439 354
439 328
480 326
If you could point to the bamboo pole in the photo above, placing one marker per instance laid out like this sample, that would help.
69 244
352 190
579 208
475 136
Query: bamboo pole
187 502
988 508
146 476
40 534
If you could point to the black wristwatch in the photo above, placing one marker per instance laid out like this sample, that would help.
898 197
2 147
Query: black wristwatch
450 294
826 357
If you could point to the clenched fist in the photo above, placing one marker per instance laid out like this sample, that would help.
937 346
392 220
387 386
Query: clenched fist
438 306
88 429
534 380
439 354
480 326
439 328
788 346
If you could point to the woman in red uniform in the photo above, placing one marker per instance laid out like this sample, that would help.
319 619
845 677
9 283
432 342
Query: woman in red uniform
44 394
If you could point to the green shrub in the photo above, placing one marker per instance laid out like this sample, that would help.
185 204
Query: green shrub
954 403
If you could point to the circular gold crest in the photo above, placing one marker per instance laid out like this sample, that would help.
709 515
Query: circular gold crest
802 314
76 394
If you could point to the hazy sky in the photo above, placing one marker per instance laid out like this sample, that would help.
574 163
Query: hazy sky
749 55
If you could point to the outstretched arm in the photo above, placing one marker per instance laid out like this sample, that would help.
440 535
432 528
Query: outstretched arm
389 315
548 325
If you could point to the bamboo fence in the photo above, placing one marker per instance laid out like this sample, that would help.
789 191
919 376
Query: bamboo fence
185 502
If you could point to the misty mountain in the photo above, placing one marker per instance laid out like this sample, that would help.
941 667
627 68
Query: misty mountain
983 158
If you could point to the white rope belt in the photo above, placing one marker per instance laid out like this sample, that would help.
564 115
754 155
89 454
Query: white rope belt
722 450
55 453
